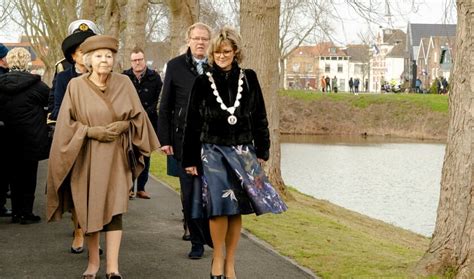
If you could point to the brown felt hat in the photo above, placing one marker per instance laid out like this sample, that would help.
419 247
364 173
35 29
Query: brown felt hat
99 42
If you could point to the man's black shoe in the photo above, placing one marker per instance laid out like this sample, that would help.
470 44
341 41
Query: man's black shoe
196 251
5 212
29 219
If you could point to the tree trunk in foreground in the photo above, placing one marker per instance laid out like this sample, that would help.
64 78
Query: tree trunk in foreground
451 250
259 29
183 14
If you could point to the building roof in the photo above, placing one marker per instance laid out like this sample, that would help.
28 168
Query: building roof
416 31
328 49
358 53
321 49
393 36
398 51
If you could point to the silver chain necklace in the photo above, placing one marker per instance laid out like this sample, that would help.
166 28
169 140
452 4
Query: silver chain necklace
231 119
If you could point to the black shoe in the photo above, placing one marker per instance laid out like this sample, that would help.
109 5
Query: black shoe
217 276
196 251
29 219
16 219
5 212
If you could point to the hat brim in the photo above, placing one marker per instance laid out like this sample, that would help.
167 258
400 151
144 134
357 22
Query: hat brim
72 42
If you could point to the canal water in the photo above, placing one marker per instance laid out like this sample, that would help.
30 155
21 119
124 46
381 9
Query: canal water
394 180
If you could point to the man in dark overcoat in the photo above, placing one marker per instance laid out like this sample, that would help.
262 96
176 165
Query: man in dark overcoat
148 84
180 74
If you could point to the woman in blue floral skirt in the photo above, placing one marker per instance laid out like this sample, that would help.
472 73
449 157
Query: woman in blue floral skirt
226 141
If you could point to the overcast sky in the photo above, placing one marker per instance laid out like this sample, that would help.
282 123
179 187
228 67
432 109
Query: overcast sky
403 11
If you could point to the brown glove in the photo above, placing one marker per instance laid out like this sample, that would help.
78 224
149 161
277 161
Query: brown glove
102 134
118 126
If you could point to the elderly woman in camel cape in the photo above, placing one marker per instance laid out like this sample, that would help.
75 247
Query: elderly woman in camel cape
88 165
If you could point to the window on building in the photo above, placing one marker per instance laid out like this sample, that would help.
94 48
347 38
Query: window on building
339 68
357 69
334 58
327 68
296 67
309 67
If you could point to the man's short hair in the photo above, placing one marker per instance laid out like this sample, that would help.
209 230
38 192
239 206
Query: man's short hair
199 25
137 49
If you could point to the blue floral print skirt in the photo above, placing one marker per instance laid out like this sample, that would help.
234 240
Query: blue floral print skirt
235 183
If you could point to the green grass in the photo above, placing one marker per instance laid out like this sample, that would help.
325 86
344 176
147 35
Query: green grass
437 103
331 241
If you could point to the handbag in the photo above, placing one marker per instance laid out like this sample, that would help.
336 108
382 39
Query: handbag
131 155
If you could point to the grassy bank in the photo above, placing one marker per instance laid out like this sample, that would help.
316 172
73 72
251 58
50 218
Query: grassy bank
433 102
331 241
422 116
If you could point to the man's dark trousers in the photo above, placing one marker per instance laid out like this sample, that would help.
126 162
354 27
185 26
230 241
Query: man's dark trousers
197 227
143 177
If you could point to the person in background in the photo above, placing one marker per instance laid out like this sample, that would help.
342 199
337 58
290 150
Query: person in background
226 141
99 120
4 165
3 59
328 84
323 84
334 84
79 30
180 74
351 85
23 97
148 84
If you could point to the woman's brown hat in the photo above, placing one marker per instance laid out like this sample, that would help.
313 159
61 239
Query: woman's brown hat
99 42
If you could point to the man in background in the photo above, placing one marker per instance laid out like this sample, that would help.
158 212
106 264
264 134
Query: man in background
180 74
148 84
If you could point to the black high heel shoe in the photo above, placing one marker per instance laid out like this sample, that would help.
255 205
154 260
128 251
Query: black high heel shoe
113 275
215 276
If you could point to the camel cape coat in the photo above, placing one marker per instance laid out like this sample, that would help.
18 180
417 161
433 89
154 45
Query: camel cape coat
91 176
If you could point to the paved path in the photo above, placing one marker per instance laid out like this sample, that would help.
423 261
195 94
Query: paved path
151 245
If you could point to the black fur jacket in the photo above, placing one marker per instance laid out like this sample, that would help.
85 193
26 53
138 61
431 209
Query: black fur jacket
206 122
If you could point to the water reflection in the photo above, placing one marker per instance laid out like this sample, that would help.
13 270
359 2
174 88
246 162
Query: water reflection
394 180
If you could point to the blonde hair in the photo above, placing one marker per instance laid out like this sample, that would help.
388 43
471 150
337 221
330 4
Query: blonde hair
87 59
198 25
229 35
18 59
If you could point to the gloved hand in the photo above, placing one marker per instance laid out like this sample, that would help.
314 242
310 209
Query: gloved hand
102 134
118 126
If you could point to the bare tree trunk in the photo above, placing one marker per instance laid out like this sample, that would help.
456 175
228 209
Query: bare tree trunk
452 245
112 18
137 12
259 29
183 14
88 10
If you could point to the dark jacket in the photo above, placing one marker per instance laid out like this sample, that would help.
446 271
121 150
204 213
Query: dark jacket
23 97
60 66
60 85
179 79
148 89
206 122
3 70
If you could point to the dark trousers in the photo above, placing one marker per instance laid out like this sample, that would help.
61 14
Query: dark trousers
198 228
4 186
143 177
23 186
5 175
